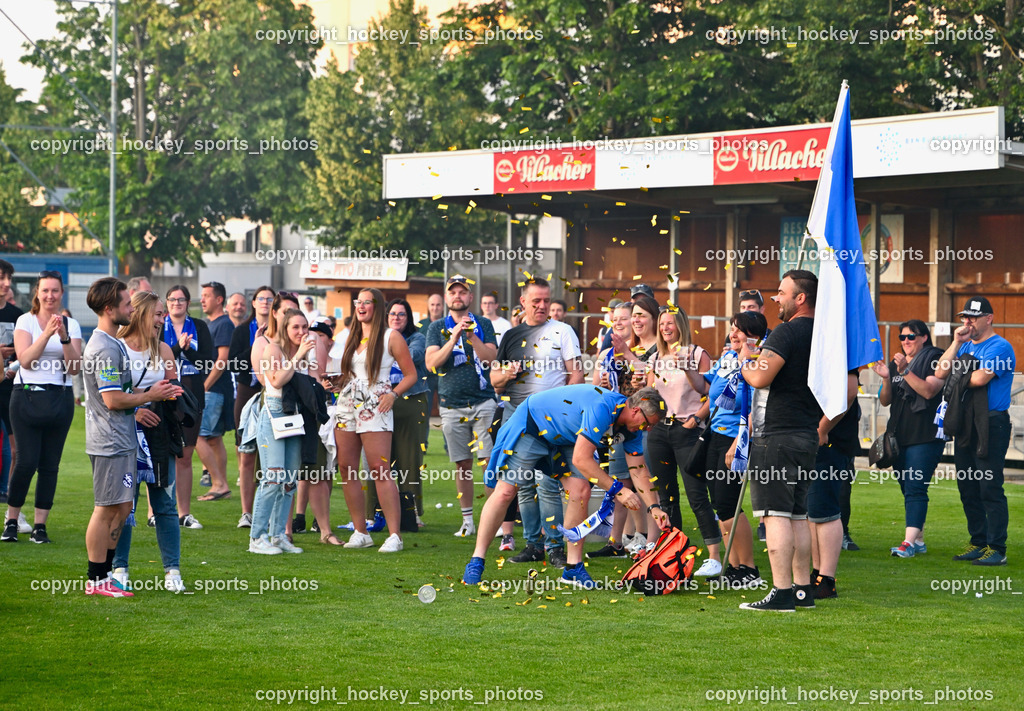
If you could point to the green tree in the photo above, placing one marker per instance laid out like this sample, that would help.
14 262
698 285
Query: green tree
619 68
21 224
217 109
395 100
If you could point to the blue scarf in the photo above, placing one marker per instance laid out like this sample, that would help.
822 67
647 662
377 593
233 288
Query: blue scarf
459 352
611 366
727 400
940 418
172 340
598 523
742 455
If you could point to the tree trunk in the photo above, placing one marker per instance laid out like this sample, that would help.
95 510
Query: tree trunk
137 264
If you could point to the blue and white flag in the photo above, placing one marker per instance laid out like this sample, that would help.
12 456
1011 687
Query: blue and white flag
844 317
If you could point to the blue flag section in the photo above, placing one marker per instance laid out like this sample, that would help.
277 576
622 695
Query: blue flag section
844 318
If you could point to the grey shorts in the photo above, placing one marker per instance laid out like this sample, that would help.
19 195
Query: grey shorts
113 479
465 430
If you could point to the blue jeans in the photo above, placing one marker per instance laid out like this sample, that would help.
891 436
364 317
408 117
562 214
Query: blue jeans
914 468
540 496
168 530
280 461
980 481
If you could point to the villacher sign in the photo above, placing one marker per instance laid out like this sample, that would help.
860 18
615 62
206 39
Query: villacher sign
771 157
542 171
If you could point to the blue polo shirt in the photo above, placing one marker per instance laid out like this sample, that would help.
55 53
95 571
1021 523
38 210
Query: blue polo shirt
563 414
995 354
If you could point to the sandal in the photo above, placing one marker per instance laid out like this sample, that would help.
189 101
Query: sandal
330 539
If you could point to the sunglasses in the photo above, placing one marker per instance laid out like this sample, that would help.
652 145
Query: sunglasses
647 422
50 274
750 294
908 336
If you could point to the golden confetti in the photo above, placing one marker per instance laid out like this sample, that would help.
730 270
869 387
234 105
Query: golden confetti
523 130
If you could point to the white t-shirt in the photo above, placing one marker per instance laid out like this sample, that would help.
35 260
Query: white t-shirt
144 374
501 325
49 368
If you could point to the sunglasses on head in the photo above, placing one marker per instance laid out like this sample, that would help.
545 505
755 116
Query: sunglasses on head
50 274
750 294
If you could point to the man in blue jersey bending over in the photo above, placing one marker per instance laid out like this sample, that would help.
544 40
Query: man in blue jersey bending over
566 424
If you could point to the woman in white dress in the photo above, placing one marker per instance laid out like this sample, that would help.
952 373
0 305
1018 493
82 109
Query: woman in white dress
363 417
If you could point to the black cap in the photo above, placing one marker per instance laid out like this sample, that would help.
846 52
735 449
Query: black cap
976 306
323 327
456 279
641 289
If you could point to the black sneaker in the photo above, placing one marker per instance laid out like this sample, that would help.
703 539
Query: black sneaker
824 587
10 531
761 534
556 558
742 577
971 552
530 554
314 528
848 544
299 523
39 535
803 596
609 551
775 601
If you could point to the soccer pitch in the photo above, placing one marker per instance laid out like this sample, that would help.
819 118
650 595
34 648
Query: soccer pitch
335 627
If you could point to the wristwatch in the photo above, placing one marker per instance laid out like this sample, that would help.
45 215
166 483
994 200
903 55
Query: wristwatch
63 342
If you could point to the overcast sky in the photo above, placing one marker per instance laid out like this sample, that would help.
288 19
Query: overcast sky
38 19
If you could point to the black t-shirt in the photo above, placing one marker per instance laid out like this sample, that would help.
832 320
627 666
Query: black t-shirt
911 416
791 405
221 330
846 433
8 315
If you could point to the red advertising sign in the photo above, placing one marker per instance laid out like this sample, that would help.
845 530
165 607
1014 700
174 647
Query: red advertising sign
544 171
772 157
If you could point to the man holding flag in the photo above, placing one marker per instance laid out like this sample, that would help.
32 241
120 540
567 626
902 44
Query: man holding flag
805 363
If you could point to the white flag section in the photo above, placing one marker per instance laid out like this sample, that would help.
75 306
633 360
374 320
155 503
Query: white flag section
845 330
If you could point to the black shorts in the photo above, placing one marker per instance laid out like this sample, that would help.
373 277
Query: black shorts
780 467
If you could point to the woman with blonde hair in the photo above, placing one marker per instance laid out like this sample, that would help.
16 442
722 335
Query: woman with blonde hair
49 350
151 361
364 417
676 375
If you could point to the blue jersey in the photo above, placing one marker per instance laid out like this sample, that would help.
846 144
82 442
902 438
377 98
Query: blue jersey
725 422
995 354
558 417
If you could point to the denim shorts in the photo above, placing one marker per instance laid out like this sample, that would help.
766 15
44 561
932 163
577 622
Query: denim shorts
218 418
831 469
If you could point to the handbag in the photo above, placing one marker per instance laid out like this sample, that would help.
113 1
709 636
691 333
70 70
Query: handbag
884 450
696 461
287 426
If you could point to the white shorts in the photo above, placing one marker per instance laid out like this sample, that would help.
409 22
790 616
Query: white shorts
356 410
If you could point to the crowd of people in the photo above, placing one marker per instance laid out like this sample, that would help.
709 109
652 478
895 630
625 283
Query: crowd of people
520 408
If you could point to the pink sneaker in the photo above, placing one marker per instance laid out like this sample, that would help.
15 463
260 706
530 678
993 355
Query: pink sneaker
106 589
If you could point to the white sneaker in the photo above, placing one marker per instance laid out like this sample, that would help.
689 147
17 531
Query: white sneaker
708 569
173 581
468 529
263 545
245 521
190 522
637 543
23 525
284 544
359 540
393 544
120 578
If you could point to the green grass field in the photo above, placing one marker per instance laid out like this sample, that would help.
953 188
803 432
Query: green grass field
351 628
